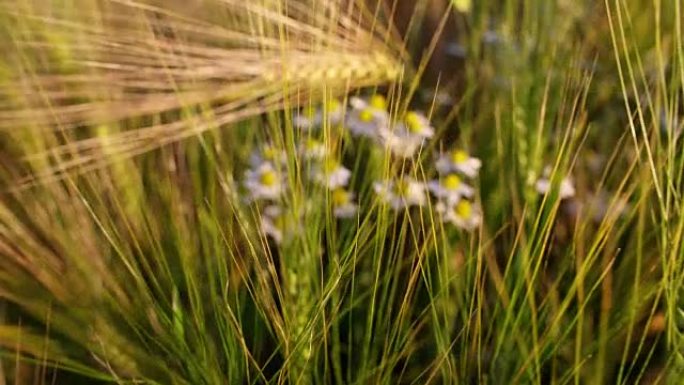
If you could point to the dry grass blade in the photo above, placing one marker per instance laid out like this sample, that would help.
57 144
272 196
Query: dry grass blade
119 78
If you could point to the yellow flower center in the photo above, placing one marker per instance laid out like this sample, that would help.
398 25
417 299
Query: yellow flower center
340 197
452 182
464 209
378 102
268 178
309 112
366 115
459 156
330 165
312 144
332 105
269 153
414 122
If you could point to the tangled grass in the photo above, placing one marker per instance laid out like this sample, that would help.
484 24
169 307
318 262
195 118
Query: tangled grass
341 191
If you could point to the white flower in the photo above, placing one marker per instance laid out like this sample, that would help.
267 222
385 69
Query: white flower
281 224
462 214
400 145
310 118
305 119
367 118
415 124
450 188
313 149
343 203
405 138
272 223
331 173
401 193
268 153
264 182
544 185
333 112
458 161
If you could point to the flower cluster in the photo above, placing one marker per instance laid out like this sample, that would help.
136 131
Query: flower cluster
266 183
455 196
370 119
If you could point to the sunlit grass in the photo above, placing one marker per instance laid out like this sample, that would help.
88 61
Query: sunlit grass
173 189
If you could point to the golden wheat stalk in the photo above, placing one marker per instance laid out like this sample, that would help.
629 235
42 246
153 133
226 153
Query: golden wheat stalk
170 76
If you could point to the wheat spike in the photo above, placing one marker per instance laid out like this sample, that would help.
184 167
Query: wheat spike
134 61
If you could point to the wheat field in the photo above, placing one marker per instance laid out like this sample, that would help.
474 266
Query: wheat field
205 192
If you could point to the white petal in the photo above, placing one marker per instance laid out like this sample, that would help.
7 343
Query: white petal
567 190
467 191
272 211
304 123
335 117
468 223
444 165
370 128
542 186
347 210
258 190
381 188
435 187
441 207
358 103
404 147
339 178
469 168
269 228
